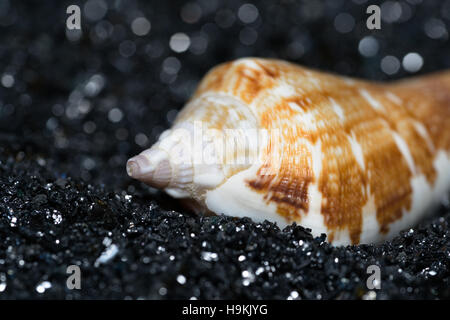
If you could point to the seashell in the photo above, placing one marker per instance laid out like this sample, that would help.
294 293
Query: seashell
267 139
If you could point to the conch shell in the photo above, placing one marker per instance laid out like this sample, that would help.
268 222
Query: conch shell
267 139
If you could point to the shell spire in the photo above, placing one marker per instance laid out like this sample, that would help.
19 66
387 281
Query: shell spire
152 167
268 139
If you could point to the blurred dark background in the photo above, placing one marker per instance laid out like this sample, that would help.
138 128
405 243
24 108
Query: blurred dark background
74 106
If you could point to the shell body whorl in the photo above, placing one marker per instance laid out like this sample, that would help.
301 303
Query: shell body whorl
356 160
